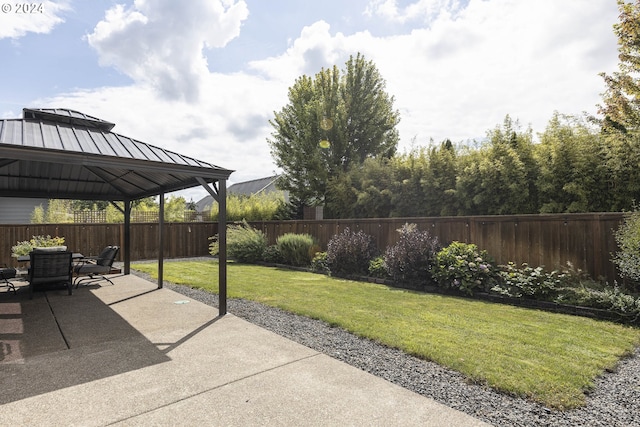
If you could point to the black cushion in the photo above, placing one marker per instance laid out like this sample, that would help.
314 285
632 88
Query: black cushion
7 273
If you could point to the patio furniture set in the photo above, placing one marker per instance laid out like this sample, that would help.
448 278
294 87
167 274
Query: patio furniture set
56 267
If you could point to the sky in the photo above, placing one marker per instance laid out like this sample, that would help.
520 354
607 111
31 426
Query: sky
204 77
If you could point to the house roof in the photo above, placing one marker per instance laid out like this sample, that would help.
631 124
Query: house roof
247 188
60 153
254 186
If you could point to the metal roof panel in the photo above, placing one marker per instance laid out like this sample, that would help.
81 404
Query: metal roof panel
11 132
46 154
63 115
113 146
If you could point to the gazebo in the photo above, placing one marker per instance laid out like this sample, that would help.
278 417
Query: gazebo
65 154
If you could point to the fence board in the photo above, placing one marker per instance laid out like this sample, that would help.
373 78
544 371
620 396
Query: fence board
587 240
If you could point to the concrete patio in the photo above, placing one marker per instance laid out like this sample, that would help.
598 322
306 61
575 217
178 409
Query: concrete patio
131 354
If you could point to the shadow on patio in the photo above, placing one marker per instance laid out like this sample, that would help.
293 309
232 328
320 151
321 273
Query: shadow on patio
55 341
131 354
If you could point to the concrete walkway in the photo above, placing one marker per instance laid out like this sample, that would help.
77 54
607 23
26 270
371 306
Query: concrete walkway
131 354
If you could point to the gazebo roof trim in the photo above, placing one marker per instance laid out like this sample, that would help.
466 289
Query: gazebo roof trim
63 115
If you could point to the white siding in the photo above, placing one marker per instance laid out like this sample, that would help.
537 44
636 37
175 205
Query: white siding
18 210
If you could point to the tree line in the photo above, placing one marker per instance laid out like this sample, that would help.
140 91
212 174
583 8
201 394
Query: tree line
62 211
573 168
336 145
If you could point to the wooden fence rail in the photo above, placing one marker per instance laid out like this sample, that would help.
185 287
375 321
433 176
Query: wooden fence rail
585 240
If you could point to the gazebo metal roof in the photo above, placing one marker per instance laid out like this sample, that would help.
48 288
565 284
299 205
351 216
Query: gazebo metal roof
75 156
65 154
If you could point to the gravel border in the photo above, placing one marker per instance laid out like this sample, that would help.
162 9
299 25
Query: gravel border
615 401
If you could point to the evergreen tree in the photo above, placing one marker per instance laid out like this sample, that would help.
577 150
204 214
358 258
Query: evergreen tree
409 171
365 191
621 109
572 176
499 177
439 186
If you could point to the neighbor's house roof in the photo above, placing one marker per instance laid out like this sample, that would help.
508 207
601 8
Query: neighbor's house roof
247 188
65 154
255 186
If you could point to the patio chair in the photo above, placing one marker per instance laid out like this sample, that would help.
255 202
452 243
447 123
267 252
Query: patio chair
7 273
50 268
93 269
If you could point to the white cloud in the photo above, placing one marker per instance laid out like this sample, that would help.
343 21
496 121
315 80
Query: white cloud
18 19
460 75
421 10
316 48
455 77
160 42
228 127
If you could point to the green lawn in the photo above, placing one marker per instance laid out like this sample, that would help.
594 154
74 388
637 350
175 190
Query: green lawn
550 358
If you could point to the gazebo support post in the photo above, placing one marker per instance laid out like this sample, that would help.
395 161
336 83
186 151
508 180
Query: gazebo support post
126 243
127 236
161 242
219 194
222 241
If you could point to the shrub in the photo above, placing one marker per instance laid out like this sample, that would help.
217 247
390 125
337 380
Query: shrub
377 268
244 243
463 267
272 255
297 249
319 263
411 259
628 238
350 252
610 299
23 248
529 282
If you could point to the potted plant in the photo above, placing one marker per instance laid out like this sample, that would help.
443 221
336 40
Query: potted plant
25 247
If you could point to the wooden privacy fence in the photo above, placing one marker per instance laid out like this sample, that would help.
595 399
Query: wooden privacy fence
585 240
181 239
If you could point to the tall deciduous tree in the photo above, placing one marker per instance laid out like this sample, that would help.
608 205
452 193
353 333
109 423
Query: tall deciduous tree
332 122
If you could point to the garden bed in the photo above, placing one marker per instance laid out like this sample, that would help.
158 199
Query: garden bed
594 313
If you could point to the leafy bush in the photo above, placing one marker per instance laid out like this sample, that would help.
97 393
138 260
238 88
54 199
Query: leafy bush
319 263
244 243
611 299
529 282
272 255
628 238
23 248
411 259
297 249
462 266
377 268
350 252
